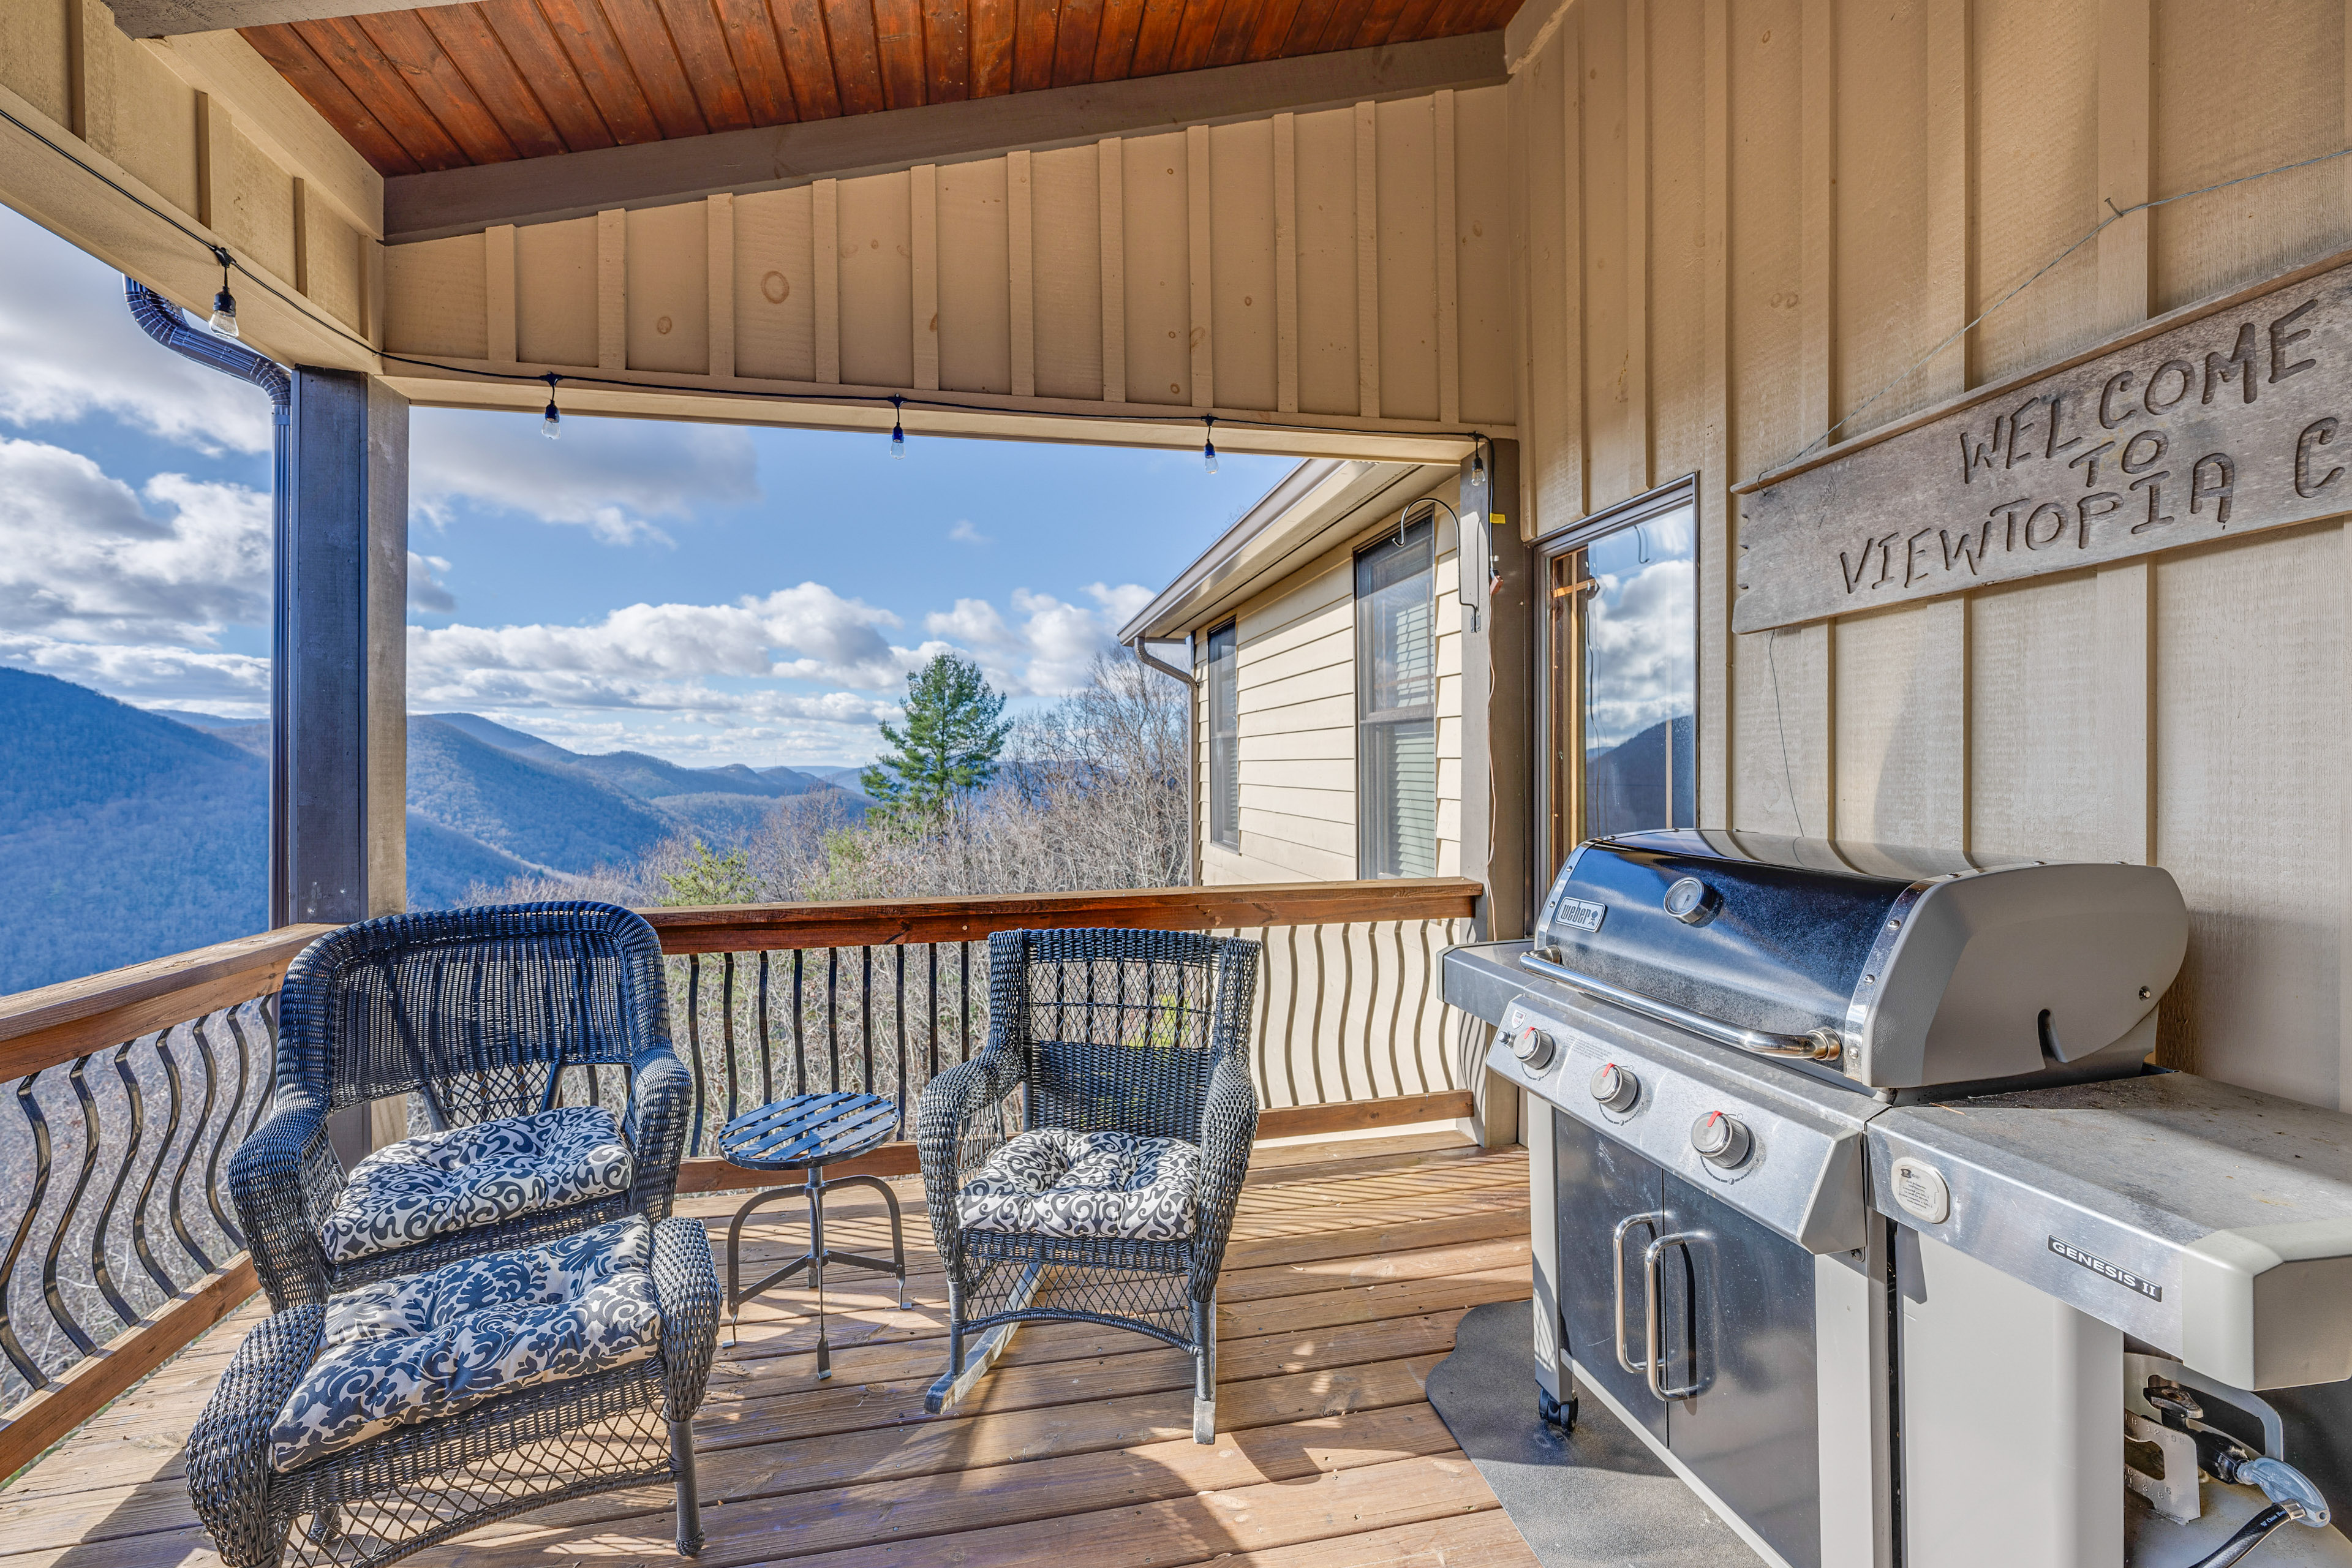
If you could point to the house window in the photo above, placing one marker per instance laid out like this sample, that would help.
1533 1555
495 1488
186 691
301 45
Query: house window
1621 672
1225 750
1396 705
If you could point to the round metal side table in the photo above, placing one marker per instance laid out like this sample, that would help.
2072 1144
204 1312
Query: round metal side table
807 1133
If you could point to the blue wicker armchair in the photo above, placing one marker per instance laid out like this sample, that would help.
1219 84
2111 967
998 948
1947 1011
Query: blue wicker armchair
479 1012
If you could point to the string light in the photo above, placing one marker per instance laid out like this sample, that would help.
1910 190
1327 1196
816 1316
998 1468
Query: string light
550 424
1209 442
1478 460
898 432
224 319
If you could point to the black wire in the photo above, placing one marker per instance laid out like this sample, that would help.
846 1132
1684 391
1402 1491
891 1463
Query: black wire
302 308
2251 1534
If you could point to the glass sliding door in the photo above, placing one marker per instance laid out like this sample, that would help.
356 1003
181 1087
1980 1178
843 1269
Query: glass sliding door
1621 674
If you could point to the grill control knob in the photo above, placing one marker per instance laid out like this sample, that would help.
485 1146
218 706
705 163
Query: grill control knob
1721 1140
1615 1089
1532 1045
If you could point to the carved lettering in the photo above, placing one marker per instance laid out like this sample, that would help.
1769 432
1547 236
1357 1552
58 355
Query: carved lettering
1854 568
2188 384
2156 444
2057 417
2089 462
2057 510
1911 556
1968 550
2282 341
2219 367
2154 484
2106 503
1976 453
2119 382
2007 511
2214 475
1885 545
2017 423
2318 433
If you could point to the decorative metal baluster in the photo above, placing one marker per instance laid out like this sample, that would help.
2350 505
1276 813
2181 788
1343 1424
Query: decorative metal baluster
1396 1011
726 1024
170 1135
1339 1023
865 1016
800 1044
1420 1006
767 1079
56 1300
100 1270
832 1018
220 1136
244 1074
931 1005
900 1089
138 1101
269 1039
18 1357
694 1042
963 1001
1290 1018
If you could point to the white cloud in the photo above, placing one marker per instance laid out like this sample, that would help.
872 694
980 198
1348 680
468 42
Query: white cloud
426 591
1644 650
84 557
233 684
613 476
1046 646
964 534
72 350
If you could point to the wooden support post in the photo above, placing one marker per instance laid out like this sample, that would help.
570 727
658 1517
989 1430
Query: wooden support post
1447 234
1368 260
1201 302
1286 262
1110 177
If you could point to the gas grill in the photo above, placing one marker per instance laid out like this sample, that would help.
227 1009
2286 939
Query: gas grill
1705 1024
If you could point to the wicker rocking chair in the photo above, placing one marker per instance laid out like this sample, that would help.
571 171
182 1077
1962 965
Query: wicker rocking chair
479 1012
1111 1199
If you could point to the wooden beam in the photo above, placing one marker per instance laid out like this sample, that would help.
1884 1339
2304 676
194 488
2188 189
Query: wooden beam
169 18
923 228
1368 262
654 173
1448 238
1110 177
1201 302
1020 271
718 217
824 201
613 289
498 288
1286 262
98 1380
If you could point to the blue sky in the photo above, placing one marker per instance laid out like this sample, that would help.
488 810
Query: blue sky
709 594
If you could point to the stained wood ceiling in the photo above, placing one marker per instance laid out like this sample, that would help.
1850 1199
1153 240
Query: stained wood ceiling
450 86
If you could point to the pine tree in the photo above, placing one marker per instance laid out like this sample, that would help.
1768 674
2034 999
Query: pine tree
950 745
708 877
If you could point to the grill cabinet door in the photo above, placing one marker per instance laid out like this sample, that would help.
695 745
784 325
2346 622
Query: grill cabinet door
1737 1322
1601 1181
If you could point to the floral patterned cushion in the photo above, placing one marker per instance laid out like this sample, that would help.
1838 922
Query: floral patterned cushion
410 1349
418 1188
1053 1182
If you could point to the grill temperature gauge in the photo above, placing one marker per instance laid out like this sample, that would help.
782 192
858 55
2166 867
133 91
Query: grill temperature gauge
1721 1140
1532 1045
1615 1089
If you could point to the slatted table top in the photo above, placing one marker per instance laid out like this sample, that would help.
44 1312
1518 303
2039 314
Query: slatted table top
805 1130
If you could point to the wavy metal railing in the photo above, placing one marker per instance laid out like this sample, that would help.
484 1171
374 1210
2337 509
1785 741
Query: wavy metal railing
111 1178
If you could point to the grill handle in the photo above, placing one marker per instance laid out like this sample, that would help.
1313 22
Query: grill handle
1823 1045
1617 1273
1653 1313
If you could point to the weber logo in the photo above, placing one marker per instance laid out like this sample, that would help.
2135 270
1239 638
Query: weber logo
1580 915
2123 1277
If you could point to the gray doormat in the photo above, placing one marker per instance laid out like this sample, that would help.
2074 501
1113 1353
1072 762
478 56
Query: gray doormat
1593 1498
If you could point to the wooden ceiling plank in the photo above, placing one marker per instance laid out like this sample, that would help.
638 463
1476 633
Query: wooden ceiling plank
439 85
1196 34
1306 28
1074 43
856 60
700 44
538 58
299 64
353 57
1035 23
1155 39
1413 21
759 61
808 57
992 48
1275 18
465 35
643 34
1115 40
1236 28
1379 24
588 41
1340 30
947 50
898 48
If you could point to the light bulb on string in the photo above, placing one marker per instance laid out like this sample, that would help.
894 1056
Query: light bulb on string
223 321
550 424
1478 461
1209 442
898 432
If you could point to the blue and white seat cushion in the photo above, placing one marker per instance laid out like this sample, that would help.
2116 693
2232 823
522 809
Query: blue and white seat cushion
432 1344
421 1187
1053 1182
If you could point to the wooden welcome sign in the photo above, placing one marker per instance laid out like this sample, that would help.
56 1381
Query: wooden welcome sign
2223 417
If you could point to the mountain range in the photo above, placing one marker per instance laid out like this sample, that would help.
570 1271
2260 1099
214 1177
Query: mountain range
129 833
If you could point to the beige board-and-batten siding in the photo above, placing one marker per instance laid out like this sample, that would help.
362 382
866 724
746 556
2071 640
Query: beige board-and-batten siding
1742 219
1336 998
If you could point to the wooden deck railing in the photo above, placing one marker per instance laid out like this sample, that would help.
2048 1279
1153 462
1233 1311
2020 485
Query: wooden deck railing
120 1246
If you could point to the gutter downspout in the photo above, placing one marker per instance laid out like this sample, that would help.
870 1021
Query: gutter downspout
1192 749
164 322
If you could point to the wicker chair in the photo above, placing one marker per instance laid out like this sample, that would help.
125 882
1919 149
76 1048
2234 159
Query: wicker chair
479 1012
413 1485
1136 1032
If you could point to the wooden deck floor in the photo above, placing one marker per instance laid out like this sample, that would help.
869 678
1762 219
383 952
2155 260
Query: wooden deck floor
1350 1265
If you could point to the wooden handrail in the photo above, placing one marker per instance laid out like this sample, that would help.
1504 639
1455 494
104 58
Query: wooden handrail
58 1023
736 928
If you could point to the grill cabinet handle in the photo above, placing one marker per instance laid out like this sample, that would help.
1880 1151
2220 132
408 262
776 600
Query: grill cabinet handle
1823 1045
1654 1310
1617 1275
